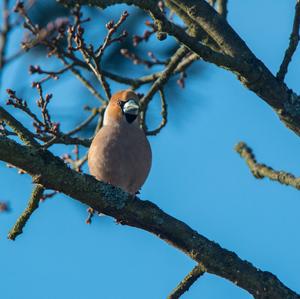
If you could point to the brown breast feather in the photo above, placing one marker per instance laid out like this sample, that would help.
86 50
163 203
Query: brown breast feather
120 155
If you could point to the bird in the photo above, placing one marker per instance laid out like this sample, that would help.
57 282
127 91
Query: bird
120 153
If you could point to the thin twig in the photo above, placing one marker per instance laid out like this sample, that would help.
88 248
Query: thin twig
64 139
137 82
100 120
163 78
88 85
187 282
24 134
294 40
4 32
164 115
50 74
91 57
134 82
22 105
261 171
38 70
80 162
79 76
136 59
76 162
84 123
33 204
14 56
112 28
88 56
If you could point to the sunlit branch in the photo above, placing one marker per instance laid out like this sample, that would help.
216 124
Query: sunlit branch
33 204
261 171
187 282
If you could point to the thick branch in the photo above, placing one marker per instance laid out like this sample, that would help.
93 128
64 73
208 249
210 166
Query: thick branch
194 29
52 173
216 26
261 171
250 70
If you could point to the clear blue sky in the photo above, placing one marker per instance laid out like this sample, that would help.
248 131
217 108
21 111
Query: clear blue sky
196 177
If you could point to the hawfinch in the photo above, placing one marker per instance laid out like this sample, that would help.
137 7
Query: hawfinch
120 153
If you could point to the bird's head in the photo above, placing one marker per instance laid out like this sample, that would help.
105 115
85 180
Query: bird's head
123 107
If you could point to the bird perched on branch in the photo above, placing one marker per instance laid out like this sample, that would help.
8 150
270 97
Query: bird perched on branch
120 153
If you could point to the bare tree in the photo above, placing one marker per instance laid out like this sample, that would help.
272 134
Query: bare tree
204 35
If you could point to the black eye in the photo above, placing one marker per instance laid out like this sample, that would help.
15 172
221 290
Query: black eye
120 103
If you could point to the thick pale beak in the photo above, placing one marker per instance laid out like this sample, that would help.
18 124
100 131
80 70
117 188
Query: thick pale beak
131 107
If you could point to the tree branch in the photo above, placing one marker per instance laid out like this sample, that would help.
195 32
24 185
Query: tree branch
164 115
4 32
50 171
294 40
261 171
194 29
33 204
83 80
161 80
53 173
93 114
215 26
65 139
24 134
187 282
137 82
29 138
238 59
222 8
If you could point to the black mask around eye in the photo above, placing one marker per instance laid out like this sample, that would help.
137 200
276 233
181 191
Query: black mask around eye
130 109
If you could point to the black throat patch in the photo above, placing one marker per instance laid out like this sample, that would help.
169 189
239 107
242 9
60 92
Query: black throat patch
130 117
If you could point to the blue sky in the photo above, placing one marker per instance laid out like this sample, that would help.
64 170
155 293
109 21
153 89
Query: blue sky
196 177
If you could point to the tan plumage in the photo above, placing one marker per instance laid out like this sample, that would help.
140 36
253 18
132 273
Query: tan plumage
120 153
